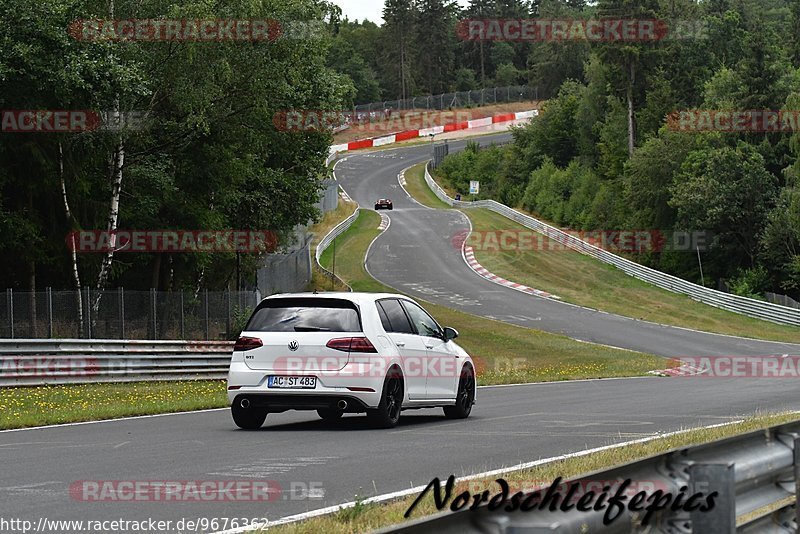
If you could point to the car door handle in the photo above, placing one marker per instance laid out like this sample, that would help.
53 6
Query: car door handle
429 346
400 344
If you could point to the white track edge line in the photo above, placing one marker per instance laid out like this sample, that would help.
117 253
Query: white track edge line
115 420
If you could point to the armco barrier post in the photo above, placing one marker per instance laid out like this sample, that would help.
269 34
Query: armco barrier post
183 318
205 313
49 312
153 329
88 307
10 303
707 478
121 313
227 314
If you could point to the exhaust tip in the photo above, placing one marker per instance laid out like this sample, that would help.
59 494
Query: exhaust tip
244 403
342 404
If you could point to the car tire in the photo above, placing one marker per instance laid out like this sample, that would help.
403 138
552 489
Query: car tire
391 208
377 208
330 414
248 418
465 396
387 414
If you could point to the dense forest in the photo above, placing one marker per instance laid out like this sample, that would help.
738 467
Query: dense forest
417 50
602 154
206 156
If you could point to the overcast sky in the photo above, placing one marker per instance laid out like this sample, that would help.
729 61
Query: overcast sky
367 9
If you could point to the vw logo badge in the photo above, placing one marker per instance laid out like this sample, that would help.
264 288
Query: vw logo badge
294 345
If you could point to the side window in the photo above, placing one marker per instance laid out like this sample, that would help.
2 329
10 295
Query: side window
384 318
396 319
423 322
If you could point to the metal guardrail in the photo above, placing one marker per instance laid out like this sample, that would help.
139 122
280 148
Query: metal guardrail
331 157
326 241
726 301
756 475
37 362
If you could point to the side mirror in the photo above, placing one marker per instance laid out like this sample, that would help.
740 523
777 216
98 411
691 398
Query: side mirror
450 334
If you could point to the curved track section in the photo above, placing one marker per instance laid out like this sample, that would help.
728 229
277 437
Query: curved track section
298 451
417 257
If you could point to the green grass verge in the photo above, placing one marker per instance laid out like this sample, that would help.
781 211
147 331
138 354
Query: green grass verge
319 280
418 188
368 517
504 353
582 280
49 405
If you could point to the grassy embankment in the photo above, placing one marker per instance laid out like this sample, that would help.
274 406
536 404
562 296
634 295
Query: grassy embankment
579 279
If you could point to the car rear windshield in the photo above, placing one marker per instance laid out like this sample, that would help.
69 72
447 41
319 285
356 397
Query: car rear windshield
305 315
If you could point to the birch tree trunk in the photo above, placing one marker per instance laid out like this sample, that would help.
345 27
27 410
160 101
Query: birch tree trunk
115 174
76 277
116 166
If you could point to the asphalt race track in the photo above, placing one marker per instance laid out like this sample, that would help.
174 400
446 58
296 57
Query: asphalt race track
416 255
509 425
339 460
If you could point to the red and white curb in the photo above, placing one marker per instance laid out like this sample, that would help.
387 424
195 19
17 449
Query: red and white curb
436 130
480 270
385 222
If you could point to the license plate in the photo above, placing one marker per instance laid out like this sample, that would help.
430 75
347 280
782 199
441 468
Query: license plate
292 382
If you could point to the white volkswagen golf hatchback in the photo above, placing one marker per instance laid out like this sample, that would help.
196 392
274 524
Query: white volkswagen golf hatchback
340 353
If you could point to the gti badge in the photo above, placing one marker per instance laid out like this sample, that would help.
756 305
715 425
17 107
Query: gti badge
293 346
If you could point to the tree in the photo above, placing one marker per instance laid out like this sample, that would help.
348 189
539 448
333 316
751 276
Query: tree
398 32
729 192
795 30
436 40
553 133
344 59
208 157
507 74
627 59
477 51
464 80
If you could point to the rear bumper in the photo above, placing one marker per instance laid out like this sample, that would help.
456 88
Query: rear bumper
274 402
331 387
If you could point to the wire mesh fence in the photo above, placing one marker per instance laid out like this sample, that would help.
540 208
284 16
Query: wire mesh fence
460 99
120 314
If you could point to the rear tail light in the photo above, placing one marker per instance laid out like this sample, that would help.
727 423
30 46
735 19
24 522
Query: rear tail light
247 343
352 344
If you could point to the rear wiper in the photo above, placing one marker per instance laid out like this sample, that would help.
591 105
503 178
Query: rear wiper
310 329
